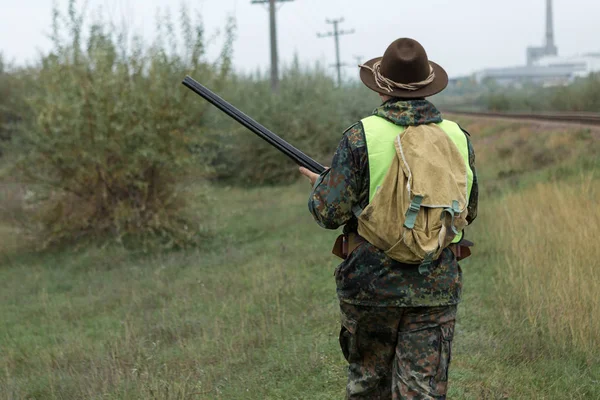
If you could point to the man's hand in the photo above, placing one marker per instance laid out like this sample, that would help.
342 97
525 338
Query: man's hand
312 177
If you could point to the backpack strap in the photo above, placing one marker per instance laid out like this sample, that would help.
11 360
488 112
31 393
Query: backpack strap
453 212
425 266
357 210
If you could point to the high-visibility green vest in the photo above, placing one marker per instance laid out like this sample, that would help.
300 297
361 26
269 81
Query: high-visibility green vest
380 135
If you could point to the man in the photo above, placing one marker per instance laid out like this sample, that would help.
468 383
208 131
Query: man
397 318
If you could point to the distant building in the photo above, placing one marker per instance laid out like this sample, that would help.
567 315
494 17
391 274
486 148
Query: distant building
526 74
547 71
580 66
544 66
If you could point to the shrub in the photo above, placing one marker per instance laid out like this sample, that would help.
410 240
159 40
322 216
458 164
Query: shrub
113 130
12 99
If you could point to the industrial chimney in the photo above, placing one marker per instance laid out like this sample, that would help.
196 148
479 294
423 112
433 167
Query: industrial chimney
549 49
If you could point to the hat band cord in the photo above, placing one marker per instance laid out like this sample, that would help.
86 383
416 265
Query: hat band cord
388 85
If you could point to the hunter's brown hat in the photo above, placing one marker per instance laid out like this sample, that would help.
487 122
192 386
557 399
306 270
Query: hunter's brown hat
404 71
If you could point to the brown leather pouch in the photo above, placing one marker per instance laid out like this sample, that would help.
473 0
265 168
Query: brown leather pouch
462 249
463 252
340 247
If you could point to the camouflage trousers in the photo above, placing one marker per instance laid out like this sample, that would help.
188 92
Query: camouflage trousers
397 353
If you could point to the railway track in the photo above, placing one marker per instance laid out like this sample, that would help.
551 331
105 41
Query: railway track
574 118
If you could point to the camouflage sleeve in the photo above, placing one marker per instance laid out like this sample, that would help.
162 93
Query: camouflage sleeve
342 187
474 197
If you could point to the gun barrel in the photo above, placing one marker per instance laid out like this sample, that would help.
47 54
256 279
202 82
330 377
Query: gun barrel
296 155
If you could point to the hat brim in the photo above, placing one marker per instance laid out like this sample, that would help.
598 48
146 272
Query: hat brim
439 82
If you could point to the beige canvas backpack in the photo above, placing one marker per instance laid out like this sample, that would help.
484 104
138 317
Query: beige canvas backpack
420 207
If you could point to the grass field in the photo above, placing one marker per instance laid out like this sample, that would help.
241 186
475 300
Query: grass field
252 314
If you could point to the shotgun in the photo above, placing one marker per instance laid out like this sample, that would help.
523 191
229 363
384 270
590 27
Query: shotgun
296 155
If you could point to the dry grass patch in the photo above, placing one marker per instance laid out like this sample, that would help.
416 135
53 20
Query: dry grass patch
552 259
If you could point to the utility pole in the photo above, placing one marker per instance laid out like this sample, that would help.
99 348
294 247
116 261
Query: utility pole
336 34
273 31
358 59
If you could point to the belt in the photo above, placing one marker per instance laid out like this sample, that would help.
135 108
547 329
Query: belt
345 244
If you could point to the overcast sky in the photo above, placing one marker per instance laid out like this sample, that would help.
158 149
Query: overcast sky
461 35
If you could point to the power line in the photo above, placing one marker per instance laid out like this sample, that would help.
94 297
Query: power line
336 35
273 35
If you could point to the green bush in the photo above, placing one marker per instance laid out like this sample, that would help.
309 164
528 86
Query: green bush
113 130
308 111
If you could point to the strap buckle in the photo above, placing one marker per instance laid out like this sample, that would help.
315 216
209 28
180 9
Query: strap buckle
413 210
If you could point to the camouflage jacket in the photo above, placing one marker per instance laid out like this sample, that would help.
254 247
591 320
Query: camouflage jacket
368 276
